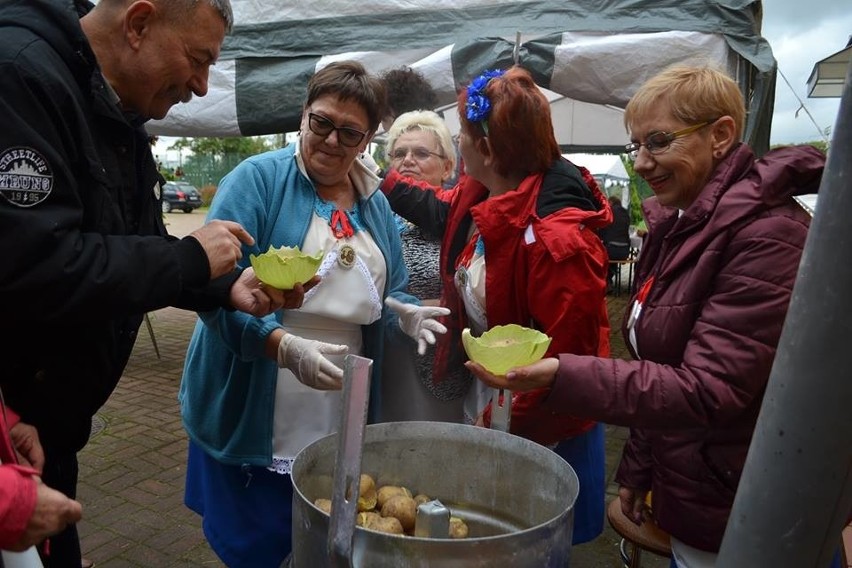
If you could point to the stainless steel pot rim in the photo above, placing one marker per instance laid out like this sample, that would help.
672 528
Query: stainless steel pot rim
314 462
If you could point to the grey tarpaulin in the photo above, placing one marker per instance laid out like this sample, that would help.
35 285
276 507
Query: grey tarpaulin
592 51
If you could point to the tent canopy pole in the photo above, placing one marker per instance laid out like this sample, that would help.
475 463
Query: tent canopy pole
795 494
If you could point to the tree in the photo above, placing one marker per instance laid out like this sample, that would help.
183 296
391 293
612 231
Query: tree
243 145
209 159
379 155
639 190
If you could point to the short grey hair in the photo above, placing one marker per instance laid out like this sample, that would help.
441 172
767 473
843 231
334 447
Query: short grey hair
427 121
181 9
225 10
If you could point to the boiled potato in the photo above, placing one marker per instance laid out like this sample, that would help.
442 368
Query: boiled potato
403 508
366 493
388 525
366 483
388 491
458 528
375 522
324 505
367 518
390 509
420 499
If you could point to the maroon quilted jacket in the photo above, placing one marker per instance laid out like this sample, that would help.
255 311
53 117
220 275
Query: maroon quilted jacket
723 275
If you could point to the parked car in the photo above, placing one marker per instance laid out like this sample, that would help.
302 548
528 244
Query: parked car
180 195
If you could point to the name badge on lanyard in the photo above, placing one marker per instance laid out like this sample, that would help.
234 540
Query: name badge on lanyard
636 309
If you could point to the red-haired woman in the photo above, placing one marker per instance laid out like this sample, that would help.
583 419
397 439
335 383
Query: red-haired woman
519 246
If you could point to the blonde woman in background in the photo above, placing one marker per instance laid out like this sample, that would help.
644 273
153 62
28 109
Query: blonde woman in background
419 146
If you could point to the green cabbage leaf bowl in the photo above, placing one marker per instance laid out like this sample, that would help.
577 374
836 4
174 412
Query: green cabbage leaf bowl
283 267
504 347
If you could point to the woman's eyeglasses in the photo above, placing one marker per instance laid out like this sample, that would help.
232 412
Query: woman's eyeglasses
419 154
659 142
321 126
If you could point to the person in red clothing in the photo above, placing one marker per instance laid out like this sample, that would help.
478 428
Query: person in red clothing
520 246
30 511
714 280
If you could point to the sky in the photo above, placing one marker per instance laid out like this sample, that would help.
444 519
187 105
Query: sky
800 33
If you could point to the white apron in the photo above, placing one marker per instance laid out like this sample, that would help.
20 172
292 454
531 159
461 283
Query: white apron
348 297
470 283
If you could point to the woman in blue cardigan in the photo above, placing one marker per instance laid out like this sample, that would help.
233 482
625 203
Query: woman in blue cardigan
255 391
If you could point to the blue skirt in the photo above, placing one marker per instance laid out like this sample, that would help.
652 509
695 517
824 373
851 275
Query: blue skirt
586 455
247 510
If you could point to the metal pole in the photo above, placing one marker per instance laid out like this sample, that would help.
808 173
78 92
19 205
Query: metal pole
796 490
347 468
151 333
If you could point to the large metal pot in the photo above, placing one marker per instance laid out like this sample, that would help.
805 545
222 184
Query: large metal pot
516 496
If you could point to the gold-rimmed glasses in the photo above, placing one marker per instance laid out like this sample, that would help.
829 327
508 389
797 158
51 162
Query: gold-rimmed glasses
659 142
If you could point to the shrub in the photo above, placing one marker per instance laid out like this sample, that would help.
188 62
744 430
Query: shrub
207 193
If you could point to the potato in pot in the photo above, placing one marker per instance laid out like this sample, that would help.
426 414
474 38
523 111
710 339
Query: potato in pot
375 522
403 508
388 491
367 496
458 528
324 505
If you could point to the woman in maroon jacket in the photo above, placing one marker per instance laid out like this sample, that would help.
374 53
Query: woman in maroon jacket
713 284
519 246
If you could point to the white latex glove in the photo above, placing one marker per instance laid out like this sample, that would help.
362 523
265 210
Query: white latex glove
366 159
418 321
305 358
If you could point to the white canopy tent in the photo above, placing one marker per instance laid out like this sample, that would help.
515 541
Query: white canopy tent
608 170
584 51
605 166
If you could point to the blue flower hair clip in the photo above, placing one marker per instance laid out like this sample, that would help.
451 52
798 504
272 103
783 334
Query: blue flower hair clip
478 106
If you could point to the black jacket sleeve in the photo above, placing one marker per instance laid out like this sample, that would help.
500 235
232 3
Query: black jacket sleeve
417 202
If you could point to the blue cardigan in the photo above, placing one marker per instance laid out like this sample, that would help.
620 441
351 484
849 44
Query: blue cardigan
227 392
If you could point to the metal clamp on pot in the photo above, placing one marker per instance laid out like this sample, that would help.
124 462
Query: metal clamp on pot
432 521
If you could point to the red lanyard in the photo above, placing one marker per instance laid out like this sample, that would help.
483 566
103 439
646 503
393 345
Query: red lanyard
340 225
645 290
636 309
467 253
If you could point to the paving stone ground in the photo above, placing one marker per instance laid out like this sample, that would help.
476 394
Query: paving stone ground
132 471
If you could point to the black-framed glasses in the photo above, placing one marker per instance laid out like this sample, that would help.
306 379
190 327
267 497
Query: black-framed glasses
420 154
659 142
321 126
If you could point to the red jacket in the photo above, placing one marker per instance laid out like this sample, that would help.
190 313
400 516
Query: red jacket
17 487
556 283
723 275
